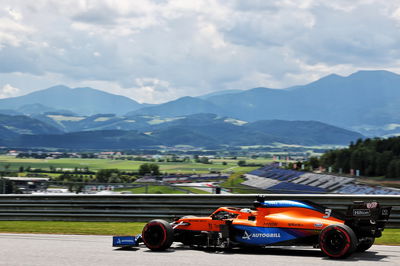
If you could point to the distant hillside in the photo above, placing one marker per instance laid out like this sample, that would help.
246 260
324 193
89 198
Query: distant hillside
180 107
200 130
305 132
14 125
85 101
109 139
75 123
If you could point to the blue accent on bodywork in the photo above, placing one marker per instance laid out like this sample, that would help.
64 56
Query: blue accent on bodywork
252 235
126 241
285 204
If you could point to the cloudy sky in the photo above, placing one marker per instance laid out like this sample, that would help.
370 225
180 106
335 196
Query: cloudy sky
158 50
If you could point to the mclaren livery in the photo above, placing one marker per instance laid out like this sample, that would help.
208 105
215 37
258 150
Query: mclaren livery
271 223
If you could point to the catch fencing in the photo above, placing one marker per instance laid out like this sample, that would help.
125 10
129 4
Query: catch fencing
143 207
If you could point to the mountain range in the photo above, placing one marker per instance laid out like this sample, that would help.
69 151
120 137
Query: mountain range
365 101
199 130
84 101
326 111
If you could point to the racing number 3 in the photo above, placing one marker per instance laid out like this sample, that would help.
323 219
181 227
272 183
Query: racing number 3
327 213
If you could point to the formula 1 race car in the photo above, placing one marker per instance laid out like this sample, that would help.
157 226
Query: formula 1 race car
272 223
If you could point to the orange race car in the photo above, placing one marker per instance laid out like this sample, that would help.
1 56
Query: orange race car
272 223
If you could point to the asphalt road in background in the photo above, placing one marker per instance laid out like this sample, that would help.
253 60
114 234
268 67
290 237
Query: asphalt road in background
29 249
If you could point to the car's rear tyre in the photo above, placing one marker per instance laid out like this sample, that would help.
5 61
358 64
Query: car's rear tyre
158 235
365 244
338 241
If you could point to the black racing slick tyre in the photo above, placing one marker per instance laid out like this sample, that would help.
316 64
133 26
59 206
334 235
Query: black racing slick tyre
338 241
158 235
365 244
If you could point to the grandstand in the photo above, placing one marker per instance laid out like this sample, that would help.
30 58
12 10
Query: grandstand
277 180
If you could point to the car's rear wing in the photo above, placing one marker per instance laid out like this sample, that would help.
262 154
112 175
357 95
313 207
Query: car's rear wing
367 219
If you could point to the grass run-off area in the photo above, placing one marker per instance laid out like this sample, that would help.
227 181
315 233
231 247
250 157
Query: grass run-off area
151 189
69 164
390 236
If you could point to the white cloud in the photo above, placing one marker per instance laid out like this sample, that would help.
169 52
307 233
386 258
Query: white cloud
158 50
9 91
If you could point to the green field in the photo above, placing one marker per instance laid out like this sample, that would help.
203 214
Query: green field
152 189
11 163
234 184
390 236
224 165
74 228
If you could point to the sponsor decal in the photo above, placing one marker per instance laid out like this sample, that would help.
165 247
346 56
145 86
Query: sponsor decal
318 225
295 225
385 212
372 205
248 236
270 224
328 213
361 212
125 241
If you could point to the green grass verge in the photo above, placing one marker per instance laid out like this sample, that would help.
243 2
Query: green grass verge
74 228
151 189
69 164
235 180
389 237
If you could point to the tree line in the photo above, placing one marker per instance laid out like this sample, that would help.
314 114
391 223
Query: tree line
372 157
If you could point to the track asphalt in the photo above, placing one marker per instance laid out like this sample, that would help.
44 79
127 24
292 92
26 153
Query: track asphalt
32 249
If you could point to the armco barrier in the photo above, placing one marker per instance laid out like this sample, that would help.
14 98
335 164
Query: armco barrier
142 207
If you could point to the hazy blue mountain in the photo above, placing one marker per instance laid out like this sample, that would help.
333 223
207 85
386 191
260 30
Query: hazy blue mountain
34 108
182 106
9 112
85 101
305 132
358 101
365 97
217 93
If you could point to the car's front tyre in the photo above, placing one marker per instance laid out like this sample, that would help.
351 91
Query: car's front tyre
158 235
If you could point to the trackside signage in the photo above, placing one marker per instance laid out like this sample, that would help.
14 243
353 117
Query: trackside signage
361 212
